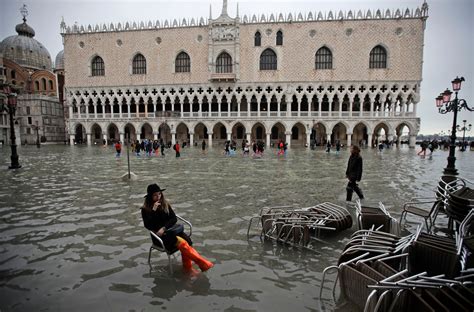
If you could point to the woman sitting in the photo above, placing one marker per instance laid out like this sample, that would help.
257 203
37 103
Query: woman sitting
159 217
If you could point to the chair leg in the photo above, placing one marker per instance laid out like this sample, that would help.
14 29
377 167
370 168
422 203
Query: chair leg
149 255
171 266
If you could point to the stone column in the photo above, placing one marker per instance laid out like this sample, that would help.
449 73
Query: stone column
173 137
349 139
209 138
412 142
288 138
247 135
104 137
155 135
267 142
369 140
308 137
328 137
191 139
228 135
89 141
71 139
120 109
70 112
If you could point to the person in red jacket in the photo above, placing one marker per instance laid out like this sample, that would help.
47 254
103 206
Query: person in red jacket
177 148
118 148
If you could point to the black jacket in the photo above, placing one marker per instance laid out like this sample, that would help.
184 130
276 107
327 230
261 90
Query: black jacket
354 168
155 220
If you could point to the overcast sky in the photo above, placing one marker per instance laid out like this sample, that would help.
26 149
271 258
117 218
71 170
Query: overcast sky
449 35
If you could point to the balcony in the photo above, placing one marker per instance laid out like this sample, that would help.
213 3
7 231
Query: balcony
223 77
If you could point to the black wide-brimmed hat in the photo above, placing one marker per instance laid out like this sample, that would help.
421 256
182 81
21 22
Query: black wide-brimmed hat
153 188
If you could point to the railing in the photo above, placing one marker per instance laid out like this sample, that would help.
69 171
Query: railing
243 114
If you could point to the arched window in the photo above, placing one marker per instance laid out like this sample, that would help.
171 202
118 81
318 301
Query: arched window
50 85
258 39
37 85
43 83
268 60
13 74
182 63
378 57
139 65
224 63
323 58
98 67
279 38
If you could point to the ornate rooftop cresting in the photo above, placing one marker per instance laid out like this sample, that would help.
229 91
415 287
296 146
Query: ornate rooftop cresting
340 15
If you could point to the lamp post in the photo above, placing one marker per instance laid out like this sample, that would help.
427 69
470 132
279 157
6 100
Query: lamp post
10 108
445 105
38 144
464 129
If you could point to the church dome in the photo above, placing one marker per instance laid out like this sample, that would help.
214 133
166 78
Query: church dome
59 62
24 50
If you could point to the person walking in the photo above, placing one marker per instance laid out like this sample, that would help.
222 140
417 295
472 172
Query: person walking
162 145
118 149
328 147
203 146
338 147
177 149
354 173
159 217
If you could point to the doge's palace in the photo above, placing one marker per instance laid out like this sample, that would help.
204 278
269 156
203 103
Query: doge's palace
352 76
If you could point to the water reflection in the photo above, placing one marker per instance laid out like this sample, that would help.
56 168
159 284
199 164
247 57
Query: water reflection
72 239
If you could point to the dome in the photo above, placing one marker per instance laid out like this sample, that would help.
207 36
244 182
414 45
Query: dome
24 50
59 62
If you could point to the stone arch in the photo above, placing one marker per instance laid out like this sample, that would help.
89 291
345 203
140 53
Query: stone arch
339 133
219 132
319 133
96 134
146 131
258 132
381 133
113 133
130 131
277 132
298 134
238 131
360 134
200 132
164 133
182 133
401 134
80 136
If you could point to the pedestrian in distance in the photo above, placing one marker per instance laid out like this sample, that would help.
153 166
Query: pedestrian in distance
203 147
328 147
177 149
354 173
159 217
118 149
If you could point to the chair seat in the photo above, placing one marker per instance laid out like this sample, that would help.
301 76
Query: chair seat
418 211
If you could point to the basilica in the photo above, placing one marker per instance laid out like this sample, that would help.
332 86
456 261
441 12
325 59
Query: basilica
309 78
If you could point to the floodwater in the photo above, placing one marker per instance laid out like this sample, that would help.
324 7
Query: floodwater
71 235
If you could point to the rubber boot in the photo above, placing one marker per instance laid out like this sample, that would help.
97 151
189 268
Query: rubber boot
190 253
187 263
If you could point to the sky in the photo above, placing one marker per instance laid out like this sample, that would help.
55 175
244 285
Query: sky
448 45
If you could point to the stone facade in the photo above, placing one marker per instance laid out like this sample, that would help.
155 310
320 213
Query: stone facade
296 102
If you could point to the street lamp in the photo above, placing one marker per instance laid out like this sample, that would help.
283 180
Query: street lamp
10 108
445 105
464 129
38 144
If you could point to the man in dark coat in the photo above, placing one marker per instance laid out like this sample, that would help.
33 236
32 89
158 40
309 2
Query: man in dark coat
354 173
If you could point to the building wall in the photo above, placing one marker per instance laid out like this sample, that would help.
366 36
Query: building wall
350 42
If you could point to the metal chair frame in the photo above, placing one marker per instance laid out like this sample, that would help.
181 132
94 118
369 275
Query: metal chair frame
161 246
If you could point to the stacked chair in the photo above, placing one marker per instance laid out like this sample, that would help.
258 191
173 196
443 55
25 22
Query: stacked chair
379 271
300 227
376 216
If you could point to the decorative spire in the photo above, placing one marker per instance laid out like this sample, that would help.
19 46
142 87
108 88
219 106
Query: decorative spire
24 12
224 8
210 12
237 9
